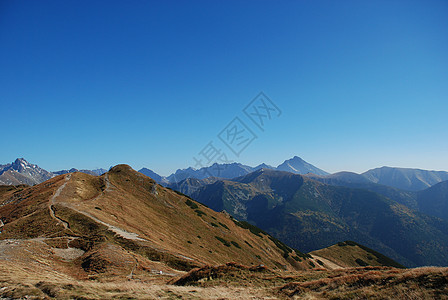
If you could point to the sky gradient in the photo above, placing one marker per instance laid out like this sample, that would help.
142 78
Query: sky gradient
88 84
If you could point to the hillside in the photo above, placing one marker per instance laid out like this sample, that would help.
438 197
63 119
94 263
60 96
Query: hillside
153 175
405 178
347 254
126 214
357 181
309 215
190 185
434 200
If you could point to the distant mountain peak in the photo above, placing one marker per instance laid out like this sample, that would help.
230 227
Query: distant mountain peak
297 158
22 172
264 166
20 159
21 164
150 173
298 166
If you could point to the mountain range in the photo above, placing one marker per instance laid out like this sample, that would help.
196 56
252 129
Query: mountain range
122 235
129 212
22 172
302 211
294 165
384 183
405 179
432 200
95 172
122 225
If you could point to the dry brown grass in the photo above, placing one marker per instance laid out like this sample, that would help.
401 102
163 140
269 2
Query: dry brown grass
374 283
33 287
42 278
239 273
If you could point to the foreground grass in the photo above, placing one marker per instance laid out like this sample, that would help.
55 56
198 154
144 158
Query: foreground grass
127 290
233 281
374 283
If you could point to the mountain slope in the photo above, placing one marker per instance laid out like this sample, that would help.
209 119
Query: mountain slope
311 215
357 181
340 177
349 253
404 178
159 179
434 200
124 214
190 185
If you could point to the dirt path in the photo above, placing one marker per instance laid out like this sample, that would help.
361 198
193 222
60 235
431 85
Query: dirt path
123 233
108 184
52 201
120 232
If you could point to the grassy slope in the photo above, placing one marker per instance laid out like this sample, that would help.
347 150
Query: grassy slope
349 254
39 279
163 226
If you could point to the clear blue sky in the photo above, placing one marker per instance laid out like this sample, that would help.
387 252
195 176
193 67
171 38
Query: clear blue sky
88 84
